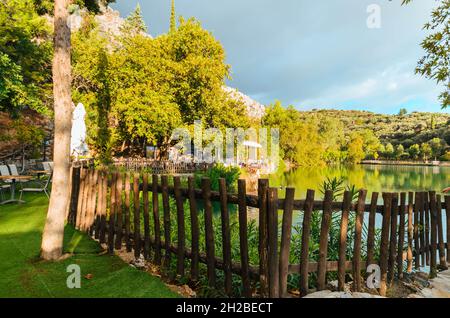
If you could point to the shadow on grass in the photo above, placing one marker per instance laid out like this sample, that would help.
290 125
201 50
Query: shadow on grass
25 275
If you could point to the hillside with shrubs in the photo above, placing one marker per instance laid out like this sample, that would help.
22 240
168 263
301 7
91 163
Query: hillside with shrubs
319 137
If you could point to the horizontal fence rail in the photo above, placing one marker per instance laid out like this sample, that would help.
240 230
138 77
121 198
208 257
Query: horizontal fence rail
160 166
170 221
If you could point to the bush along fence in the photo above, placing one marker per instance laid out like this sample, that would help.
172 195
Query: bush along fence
297 246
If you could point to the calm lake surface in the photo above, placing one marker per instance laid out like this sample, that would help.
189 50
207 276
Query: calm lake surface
373 178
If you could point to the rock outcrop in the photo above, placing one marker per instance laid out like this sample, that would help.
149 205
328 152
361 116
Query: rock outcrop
254 109
439 287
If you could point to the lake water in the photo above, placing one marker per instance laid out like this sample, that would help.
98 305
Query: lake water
373 178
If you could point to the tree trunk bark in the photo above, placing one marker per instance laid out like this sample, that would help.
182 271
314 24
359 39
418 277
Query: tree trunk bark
52 238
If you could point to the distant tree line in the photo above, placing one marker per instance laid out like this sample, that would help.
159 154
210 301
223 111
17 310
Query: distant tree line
335 137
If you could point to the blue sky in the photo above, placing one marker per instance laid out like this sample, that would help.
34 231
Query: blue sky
314 54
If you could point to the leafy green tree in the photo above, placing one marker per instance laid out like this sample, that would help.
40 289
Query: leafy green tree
47 6
402 112
399 152
25 58
371 143
29 136
436 145
332 137
139 88
134 23
435 64
300 140
92 86
414 151
425 151
389 151
12 88
173 18
355 149
199 73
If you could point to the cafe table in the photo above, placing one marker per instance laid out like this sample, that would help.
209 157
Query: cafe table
13 179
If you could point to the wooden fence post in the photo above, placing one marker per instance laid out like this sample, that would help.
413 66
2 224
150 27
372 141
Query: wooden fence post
195 230
371 229
422 242
166 208
209 232
447 209
358 239
286 232
86 192
263 185
226 236
433 208
127 211
119 224
384 248
304 256
136 216
401 235
416 231
410 231
100 208
442 262
146 216
92 203
323 241
393 239
74 195
346 204
426 210
243 237
112 214
83 174
272 224
102 234
181 225
156 221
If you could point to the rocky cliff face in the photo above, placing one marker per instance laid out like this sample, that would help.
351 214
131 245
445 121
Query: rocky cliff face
254 109
109 21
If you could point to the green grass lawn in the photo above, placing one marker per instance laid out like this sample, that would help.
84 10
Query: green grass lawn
22 274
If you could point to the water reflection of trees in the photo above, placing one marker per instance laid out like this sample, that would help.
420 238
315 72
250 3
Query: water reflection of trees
371 177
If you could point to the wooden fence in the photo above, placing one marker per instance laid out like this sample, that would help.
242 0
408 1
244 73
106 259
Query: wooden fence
160 166
108 206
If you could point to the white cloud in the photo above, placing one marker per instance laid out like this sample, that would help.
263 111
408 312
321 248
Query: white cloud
316 53
389 88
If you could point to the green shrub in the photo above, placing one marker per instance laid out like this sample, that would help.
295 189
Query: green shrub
218 171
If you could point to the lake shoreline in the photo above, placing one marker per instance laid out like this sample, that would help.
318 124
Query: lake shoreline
406 163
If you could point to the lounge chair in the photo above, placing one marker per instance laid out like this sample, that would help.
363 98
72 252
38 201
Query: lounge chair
48 166
4 171
15 172
43 188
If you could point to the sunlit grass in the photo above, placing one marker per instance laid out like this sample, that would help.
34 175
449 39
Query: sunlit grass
23 274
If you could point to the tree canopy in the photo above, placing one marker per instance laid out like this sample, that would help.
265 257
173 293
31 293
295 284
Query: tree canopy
435 64
141 88
25 58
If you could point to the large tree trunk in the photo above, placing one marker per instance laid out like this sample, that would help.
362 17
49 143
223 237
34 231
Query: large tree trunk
52 238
